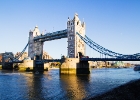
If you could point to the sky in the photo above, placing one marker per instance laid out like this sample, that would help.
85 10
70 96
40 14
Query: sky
113 24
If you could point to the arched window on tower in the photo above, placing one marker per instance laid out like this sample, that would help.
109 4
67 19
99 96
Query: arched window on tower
82 45
79 45
71 28
77 22
70 38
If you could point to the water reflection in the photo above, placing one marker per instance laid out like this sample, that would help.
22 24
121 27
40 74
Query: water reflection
52 86
68 87
74 86
35 88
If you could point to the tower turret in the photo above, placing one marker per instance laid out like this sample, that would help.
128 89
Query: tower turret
75 44
34 48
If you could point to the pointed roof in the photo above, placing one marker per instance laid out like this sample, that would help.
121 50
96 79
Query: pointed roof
76 18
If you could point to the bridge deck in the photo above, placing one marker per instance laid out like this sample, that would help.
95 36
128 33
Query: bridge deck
47 60
52 36
15 62
108 59
89 59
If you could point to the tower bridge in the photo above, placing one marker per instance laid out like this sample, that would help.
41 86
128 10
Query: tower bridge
75 33
75 44
77 40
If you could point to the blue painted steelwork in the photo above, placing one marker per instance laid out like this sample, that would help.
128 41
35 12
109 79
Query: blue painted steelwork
106 52
47 60
16 59
52 60
108 59
22 52
51 36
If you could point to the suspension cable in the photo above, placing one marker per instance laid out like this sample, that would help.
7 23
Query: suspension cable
105 51
16 58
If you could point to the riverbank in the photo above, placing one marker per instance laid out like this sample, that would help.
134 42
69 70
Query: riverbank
128 91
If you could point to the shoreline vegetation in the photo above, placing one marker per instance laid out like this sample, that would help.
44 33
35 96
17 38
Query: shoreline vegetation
128 91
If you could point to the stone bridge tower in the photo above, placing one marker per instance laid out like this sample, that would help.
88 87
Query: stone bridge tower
35 48
75 44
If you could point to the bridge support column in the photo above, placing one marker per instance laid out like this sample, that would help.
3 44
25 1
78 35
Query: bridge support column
7 65
74 66
83 68
38 66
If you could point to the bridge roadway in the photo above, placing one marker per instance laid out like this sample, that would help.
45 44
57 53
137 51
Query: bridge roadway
81 59
18 61
89 59
109 59
51 36
47 60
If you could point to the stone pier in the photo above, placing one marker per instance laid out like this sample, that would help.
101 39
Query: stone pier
33 65
38 66
26 65
74 66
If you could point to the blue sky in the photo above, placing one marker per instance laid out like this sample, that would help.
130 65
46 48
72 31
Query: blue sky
113 24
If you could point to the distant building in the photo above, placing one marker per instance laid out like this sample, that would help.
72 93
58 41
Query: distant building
24 55
46 55
99 64
7 56
127 64
119 63
1 58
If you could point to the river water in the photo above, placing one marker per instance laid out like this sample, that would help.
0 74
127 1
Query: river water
52 86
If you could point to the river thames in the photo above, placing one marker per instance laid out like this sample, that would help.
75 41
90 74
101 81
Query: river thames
52 86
